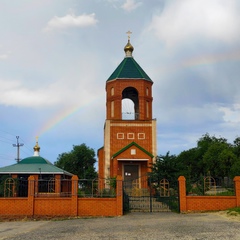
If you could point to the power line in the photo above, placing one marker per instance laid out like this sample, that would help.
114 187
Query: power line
5 141
27 146
26 153
6 132
18 145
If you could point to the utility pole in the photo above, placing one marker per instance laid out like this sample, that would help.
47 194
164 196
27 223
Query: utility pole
18 145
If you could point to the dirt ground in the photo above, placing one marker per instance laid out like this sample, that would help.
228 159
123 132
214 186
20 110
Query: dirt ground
164 225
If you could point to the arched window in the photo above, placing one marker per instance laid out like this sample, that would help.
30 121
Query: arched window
130 104
112 108
147 109
9 187
112 91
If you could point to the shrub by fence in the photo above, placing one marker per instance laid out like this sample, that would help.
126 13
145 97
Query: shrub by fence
210 186
97 188
207 201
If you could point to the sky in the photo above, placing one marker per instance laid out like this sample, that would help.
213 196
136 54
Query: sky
56 55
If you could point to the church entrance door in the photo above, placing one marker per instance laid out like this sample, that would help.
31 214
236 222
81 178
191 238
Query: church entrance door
131 175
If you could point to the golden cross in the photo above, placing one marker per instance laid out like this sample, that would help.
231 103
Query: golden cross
128 33
37 139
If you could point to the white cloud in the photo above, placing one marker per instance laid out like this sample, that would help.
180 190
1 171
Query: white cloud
3 56
71 88
189 20
14 93
70 20
131 5
231 115
112 1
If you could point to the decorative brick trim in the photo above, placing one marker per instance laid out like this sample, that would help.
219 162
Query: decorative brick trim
120 135
130 145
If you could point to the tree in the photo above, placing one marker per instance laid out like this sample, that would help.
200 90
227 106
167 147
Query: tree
206 141
235 169
237 146
217 155
80 161
212 155
191 163
165 167
219 158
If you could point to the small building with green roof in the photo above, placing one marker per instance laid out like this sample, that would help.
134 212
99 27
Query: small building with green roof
49 178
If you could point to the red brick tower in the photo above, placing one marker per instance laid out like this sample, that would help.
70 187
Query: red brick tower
129 135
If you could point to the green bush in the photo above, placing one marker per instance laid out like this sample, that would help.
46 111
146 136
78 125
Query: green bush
229 192
106 192
235 210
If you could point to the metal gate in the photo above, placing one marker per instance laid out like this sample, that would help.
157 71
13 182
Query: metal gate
144 195
23 188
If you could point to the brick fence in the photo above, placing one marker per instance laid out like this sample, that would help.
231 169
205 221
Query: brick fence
74 206
62 206
207 203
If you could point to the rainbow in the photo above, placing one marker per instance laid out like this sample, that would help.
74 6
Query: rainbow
211 59
61 116
203 60
57 118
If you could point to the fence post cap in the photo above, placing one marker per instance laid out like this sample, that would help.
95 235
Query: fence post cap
181 178
74 177
236 179
31 177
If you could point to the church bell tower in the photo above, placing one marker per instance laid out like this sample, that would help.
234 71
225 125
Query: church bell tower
130 131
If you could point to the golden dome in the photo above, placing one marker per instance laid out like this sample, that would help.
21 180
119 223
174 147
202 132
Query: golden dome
128 48
36 148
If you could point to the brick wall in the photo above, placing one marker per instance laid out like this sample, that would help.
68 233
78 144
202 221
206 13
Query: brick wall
67 206
97 207
52 206
101 163
14 206
207 203
133 128
119 85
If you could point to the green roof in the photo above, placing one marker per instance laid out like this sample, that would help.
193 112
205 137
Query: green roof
129 68
130 145
34 160
33 165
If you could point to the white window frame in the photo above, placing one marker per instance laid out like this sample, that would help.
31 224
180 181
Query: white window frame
130 136
141 135
120 135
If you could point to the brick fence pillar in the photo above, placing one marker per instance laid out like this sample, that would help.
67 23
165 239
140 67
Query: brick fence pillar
182 194
74 196
31 193
237 190
58 184
14 190
119 192
36 184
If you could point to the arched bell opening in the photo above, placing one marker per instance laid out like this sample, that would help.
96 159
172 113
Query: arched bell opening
130 104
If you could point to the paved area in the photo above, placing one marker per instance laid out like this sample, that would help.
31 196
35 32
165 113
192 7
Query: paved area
162 225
